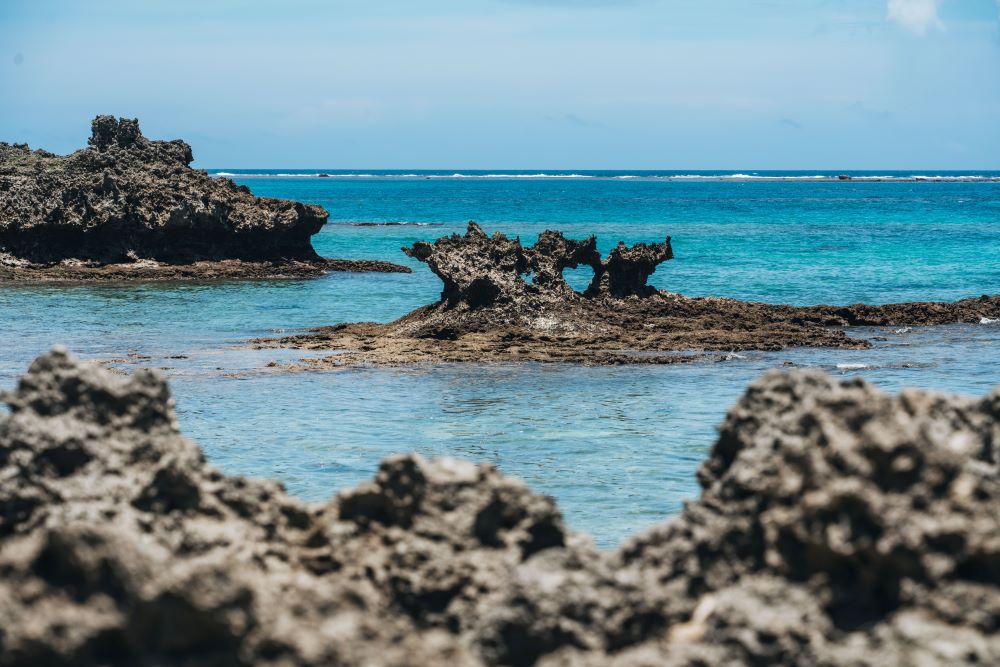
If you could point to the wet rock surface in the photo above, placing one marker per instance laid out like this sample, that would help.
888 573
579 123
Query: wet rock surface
837 525
127 207
503 302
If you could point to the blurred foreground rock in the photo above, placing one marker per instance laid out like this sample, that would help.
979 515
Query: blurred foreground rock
837 526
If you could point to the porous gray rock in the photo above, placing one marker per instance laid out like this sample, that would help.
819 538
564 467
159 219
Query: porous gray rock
496 271
837 525
477 270
627 269
120 545
130 202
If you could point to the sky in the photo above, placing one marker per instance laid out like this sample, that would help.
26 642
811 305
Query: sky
492 84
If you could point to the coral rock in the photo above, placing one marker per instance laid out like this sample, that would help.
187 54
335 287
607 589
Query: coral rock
126 201
482 271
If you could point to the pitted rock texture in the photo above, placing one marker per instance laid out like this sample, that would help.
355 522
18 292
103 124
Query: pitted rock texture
837 526
137 206
119 545
503 302
481 271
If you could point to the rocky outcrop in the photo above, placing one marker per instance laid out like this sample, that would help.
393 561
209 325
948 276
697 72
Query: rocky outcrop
503 302
837 526
129 202
477 270
481 271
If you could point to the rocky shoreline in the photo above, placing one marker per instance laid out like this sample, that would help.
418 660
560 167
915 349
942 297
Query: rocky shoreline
503 302
837 525
128 208
149 271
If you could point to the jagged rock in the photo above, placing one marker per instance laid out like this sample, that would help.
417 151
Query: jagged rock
119 545
126 201
627 269
124 133
837 526
481 271
553 253
477 270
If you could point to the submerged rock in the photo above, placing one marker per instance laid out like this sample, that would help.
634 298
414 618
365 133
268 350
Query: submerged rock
503 302
136 204
837 526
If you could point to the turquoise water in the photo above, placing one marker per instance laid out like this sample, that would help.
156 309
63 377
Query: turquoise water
617 447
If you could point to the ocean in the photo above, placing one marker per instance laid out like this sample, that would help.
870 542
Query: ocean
617 447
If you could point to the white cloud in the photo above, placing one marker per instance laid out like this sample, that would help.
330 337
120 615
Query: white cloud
917 16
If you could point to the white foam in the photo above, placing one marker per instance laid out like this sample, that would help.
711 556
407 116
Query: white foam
541 175
852 367
987 320
951 177
903 330
391 223
736 176
748 177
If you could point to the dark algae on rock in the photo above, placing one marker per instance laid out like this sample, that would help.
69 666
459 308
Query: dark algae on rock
837 525
127 207
505 302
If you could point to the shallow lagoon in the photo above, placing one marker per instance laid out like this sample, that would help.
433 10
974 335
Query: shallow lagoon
617 447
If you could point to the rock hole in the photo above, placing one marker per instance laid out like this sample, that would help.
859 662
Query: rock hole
659 279
580 277
482 292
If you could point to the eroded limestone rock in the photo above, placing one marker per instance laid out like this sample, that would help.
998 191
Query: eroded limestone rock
837 526
627 269
477 270
128 202
495 271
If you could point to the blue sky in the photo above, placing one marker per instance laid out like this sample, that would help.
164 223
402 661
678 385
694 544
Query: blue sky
630 84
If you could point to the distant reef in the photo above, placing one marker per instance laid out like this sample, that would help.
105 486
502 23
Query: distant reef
504 302
837 525
128 208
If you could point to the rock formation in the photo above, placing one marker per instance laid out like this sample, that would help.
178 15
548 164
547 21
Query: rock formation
504 302
488 271
837 526
132 203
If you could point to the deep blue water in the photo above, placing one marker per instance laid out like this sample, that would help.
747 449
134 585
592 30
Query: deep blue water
617 447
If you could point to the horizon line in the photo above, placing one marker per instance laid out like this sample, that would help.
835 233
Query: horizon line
609 169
